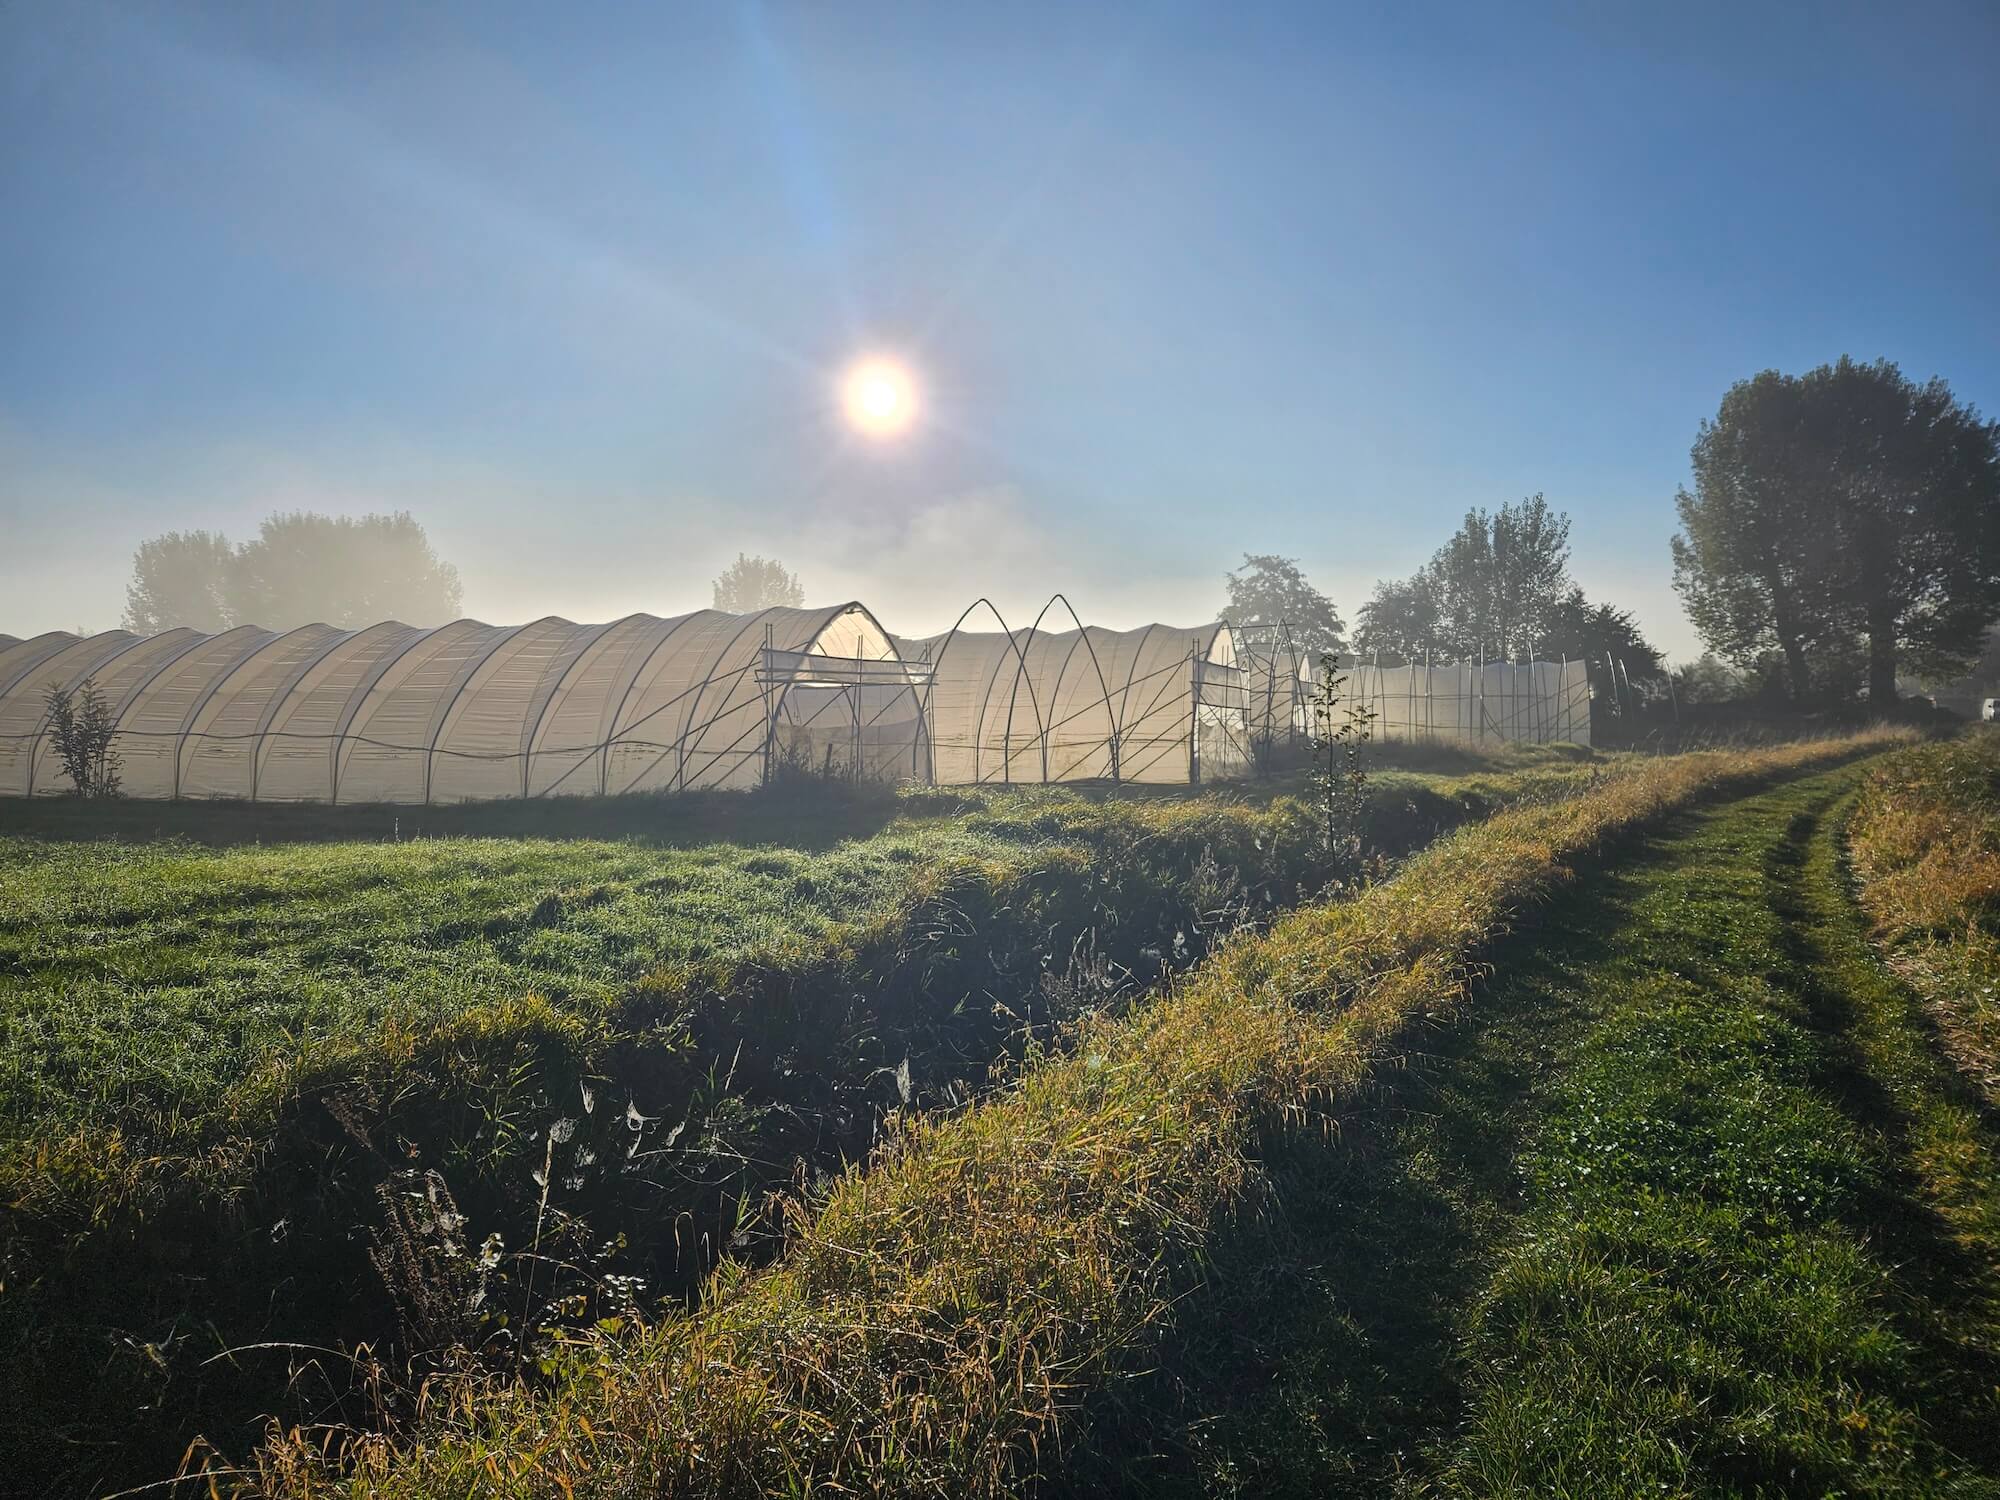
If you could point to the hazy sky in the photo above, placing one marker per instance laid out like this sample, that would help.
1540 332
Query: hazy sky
1179 281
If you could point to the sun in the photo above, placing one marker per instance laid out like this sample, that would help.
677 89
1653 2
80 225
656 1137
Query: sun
879 397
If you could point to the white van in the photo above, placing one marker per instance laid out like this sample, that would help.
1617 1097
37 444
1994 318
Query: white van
1990 709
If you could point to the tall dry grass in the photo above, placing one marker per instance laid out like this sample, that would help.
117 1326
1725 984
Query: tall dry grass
1925 842
940 1316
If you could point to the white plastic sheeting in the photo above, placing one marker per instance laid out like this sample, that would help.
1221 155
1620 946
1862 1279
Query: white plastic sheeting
392 713
1539 702
1155 704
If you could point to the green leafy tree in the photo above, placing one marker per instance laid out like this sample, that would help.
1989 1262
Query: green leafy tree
1915 476
753 583
1500 580
1403 620
1268 589
1579 628
343 570
1500 586
300 568
83 728
181 579
1847 519
1709 680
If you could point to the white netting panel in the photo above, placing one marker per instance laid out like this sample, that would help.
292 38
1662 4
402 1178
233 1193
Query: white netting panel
1539 702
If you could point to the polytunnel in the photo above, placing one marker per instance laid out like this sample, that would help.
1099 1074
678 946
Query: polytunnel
395 713
1155 704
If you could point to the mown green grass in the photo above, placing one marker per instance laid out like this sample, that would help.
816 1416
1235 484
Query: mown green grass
163 987
217 1056
1686 1204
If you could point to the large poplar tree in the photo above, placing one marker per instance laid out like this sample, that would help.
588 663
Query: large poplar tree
1498 588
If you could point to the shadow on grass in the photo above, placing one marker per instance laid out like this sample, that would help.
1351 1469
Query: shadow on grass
1831 965
797 816
1319 1354
1325 1349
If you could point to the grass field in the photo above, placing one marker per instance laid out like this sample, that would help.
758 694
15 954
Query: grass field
1686 1204
295 1076
970 1315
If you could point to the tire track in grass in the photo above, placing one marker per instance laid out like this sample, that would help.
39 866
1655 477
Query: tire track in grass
1687 1205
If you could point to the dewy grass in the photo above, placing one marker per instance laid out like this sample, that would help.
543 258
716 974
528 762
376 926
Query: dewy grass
938 1319
586 1058
1683 1202
1760 1241
1926 846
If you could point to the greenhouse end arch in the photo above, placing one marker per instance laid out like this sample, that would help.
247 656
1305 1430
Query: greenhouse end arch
395 713
1156 704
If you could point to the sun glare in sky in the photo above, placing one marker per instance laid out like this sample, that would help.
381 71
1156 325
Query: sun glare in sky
879 397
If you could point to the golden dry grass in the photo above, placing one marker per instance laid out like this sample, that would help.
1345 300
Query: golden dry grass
1925 844
940 1316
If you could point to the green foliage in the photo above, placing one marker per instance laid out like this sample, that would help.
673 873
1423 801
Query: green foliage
302 568
1500 587
1339 776
1683 1203
936 1320
442 1092
1845 505
753 583
1708 680
182 579
82 726
1580 629
1268 590
349 571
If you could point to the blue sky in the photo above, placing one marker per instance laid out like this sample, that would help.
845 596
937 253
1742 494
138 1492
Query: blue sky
1179 281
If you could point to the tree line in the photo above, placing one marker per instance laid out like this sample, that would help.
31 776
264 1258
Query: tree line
300 569
1843 529
1500 587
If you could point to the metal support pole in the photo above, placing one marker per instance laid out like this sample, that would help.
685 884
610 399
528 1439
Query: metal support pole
1430 704
1479 691
1194 713
770 707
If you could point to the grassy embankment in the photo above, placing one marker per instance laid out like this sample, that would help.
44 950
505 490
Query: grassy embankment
938 1321
286 1093
1926 844
1685 1204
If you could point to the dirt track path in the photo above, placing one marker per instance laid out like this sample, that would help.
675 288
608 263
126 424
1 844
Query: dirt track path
1689 1203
